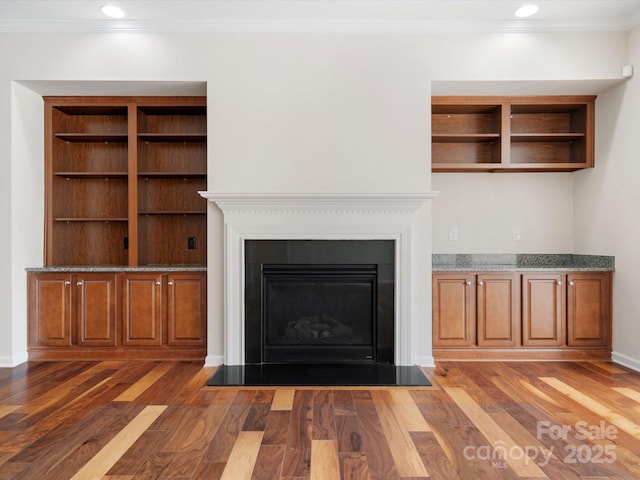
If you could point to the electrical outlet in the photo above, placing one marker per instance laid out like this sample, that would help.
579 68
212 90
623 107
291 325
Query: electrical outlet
516 233
453 233
191 243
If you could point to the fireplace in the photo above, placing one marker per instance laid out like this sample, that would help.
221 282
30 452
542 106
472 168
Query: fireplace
319 301
403 218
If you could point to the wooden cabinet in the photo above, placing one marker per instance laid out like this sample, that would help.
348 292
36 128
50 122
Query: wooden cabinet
97 309
543 309
186 309
588 309
50 313
454 310
142 317
539 315
98 315
122 176
498 309
122 173
73 309
165 309
544 133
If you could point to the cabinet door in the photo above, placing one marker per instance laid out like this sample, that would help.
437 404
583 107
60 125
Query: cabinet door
589 309
50 310
454 310
498 310
186 309
96 307
142 304
543 310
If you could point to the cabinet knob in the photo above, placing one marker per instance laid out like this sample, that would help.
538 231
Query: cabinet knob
572 283
559 282
79 284
158 282
468 282
480 283
170 284
67 282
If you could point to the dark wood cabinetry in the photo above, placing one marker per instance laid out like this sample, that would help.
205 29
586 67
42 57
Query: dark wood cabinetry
454 310
72 309
543 315
498 309
142 312
117 315
543 310
122 180
543 133
588 310
122 176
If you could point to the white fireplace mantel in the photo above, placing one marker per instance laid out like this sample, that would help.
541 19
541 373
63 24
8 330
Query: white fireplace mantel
311 216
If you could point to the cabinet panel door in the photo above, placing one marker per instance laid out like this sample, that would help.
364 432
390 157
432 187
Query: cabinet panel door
50 310
186 309
453 310
543 310
142 316
589 309
96 300
498 310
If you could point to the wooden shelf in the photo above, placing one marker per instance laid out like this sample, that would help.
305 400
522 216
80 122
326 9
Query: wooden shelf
512 134
89 219
91 174
173 174
122 173
546 137
173 137
176 212
465 138
92 137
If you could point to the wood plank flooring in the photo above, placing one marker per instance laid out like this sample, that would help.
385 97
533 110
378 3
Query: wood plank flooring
118 420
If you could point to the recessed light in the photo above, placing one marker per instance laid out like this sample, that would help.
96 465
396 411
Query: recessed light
527 11
112 11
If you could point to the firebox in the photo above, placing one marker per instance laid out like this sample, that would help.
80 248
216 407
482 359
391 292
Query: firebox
319 301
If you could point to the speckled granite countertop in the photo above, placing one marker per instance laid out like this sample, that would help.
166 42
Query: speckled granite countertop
116 268
521 263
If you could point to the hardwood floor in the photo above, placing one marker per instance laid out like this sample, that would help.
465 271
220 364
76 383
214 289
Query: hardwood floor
121 420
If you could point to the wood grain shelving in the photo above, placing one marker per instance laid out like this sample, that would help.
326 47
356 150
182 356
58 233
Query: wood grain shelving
512 134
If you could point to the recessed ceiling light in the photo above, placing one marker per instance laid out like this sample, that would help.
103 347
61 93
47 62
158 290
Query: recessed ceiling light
112 11
527 11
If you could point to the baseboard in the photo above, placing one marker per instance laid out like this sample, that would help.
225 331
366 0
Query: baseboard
213 360
626 361
10 362
425 361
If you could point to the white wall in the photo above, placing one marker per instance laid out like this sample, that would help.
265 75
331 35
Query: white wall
291 113
607 201
486 207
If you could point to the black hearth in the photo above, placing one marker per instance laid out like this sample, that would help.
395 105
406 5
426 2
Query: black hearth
319 301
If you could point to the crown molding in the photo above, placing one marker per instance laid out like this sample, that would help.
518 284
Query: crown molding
314 26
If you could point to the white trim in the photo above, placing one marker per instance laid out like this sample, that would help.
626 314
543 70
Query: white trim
425 361
317 217
14 361
309 25
213 360
626 361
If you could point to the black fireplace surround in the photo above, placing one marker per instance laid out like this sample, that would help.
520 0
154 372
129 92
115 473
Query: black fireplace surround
319 301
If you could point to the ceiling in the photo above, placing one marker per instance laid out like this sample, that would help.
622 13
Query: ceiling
377 16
